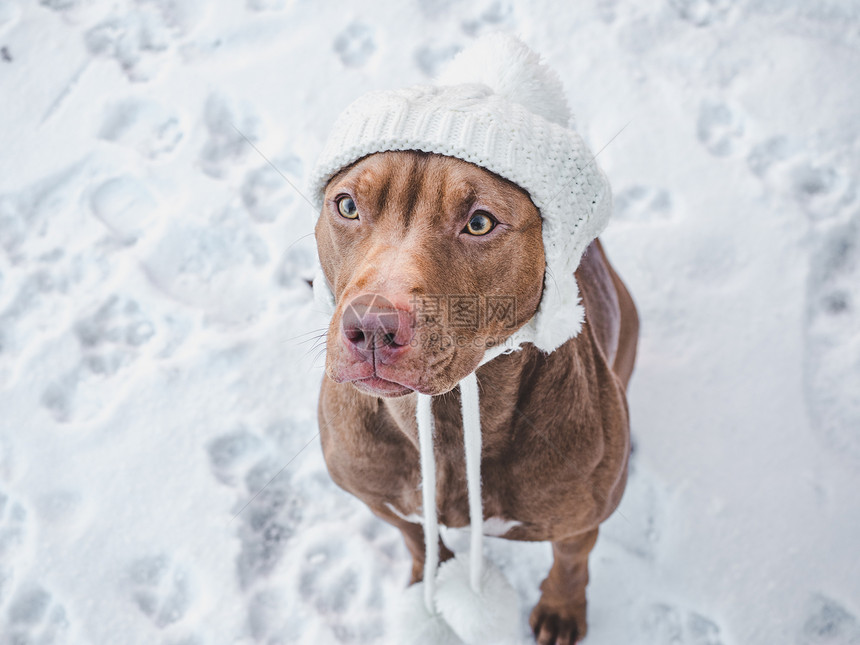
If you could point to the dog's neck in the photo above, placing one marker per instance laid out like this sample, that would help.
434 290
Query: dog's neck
503 408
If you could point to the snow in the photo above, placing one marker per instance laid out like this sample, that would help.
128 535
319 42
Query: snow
160 476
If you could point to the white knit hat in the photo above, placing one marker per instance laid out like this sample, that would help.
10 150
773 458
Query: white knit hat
498 107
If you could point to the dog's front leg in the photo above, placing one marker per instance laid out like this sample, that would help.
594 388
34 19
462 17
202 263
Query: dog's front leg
559 616
413 536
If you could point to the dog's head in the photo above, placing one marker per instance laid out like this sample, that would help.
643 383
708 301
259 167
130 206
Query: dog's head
432 260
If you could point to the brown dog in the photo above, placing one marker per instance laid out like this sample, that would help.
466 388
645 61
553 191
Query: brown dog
555 427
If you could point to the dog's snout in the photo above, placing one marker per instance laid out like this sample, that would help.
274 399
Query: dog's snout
376 329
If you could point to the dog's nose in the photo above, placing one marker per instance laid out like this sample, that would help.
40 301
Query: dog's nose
376 329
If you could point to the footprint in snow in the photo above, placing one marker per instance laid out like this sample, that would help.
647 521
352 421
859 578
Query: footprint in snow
139 38
297 269
269 508
719 128
10 13
269 520
8 464
265 192
355 44
346 591
214 265
701 13
665 624
832 338
160 588
769 153
233 453
192 639
431 57
272 515
231 125
496 15
435 9
267 5
126 206
829 623
13 537
643 204
34 617
152 129
269 618
822 190
111 338
643 510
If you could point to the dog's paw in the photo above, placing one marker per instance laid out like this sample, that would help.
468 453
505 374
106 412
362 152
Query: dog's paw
552 626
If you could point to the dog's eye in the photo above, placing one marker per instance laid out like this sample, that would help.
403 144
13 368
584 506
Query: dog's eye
346 207
480 224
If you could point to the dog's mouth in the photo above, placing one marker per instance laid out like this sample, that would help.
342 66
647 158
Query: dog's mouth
381 387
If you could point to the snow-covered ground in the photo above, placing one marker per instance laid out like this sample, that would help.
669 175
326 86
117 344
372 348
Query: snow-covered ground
158 360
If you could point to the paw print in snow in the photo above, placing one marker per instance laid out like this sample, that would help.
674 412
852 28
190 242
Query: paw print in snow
138 39
719 128
160 589
832 339
110 339
35 617
668 625
701 13
152 129
643 204
231 127
269 520
829 623
355 44
430 58
13 537
231 453
266 193
126 206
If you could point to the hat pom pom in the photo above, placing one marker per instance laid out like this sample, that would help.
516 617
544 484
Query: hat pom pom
414 625
507 66
491 616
